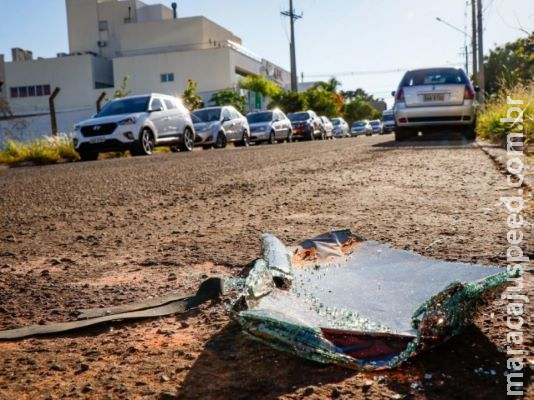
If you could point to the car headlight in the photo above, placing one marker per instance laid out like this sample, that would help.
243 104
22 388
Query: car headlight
128 121
76 127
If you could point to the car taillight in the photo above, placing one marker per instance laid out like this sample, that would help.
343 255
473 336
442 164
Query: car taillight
469 93
400 95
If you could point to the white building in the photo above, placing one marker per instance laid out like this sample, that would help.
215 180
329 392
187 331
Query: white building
112 39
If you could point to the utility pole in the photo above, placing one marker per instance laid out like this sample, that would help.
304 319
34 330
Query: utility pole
480 29
292 18
474 39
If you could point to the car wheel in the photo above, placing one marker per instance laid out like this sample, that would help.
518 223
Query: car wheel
402 134
469 132
271 137
245 140
323 135
220 143
88 155
145 145
188 141
289 136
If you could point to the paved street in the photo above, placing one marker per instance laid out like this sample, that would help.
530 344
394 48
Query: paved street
102 233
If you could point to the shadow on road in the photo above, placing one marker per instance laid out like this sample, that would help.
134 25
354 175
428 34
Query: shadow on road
234 366
446 138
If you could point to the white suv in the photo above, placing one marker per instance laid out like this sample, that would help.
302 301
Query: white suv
138 124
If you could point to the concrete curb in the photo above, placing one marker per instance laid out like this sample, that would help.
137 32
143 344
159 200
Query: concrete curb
500 157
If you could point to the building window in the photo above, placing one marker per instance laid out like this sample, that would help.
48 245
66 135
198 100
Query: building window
102 25
30 91
167 77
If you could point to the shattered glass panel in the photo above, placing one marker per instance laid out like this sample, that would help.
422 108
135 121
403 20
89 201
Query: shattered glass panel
358 303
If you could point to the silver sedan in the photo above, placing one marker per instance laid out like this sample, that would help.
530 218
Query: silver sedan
433 97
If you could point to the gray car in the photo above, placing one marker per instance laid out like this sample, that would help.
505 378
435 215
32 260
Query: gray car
269 126
328 128
362 127
341 128
217 126
388 121
435 97
376 124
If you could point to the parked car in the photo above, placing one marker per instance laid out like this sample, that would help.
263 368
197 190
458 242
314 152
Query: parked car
216 126
328 128
138 124
362 127
306 125
269 126
341 128
388 121
434 97
376 124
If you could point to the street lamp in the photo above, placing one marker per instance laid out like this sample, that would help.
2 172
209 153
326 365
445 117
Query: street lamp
466 35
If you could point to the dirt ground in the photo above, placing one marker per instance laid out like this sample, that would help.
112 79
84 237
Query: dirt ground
110 232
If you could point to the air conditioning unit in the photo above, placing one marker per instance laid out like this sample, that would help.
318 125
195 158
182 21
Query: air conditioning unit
102 43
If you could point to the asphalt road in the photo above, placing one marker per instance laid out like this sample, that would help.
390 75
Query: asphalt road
108 232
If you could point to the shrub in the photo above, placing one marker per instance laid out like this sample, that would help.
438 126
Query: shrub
489 125
42 151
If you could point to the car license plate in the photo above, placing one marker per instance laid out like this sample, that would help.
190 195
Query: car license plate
97 140
434 97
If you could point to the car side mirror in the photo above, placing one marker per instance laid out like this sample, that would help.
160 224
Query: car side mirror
477 88
225 119
157 109
393 93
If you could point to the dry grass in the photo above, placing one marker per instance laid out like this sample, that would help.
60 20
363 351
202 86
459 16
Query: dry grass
42 151
489 125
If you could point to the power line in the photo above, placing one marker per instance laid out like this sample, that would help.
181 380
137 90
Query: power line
354 73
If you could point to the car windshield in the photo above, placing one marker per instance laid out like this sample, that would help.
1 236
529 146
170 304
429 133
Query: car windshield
434 77
336 122
301 116
125 106
388 117
260 117
207 115
359 123
375 122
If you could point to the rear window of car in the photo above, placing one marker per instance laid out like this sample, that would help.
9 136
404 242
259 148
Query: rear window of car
434 77
302 116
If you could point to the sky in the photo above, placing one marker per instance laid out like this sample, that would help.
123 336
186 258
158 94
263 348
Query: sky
363 43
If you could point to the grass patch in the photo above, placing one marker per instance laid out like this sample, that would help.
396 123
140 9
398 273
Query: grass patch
42 151
489 125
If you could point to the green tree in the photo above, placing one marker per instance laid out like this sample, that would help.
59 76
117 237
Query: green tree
361 94
509 65
260 84
331 86
289 101
322 102
190 97
360 109
230 98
